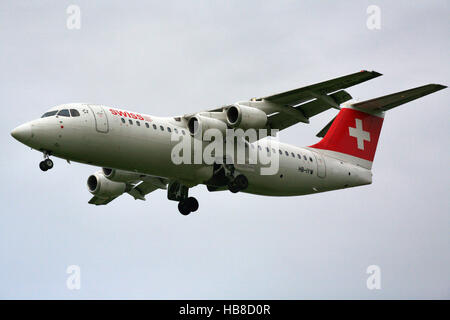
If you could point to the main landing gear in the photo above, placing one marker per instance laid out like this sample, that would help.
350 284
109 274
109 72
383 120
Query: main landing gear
178 192
187 206
225 176
47 163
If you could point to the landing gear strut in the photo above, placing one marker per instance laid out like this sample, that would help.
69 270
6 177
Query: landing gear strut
47 163
178 192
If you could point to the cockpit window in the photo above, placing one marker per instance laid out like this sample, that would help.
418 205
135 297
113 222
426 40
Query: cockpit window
49 114
74 113
64 113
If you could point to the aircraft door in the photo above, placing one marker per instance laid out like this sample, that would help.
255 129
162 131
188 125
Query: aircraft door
101 120
321 168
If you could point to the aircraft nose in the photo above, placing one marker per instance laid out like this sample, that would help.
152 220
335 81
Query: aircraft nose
22 133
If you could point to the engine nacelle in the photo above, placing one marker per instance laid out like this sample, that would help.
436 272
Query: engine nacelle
120 175
104 188
202 123
239 116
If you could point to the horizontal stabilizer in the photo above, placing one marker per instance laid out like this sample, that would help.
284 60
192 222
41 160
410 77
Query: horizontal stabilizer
324 131
393 100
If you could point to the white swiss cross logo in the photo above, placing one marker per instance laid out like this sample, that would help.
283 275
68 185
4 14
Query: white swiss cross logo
359 134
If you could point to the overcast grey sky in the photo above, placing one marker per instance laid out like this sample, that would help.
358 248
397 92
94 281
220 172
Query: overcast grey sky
173 57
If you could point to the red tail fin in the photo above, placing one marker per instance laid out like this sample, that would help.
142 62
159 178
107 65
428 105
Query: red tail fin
353 133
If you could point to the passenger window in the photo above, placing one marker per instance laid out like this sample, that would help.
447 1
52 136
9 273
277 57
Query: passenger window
123 120
267 149
310 159
259 148
49 114
138 123
182 131
162 128
168 129
74 113
299 156
146 124
154 126
293 155
286 153
304 157
64 113
175 129
281 152
131 122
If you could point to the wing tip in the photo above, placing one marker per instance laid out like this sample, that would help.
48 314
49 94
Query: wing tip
374 73
433 87
438 86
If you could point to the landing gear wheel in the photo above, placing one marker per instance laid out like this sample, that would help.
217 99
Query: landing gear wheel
241 181
48 163
179 192
238 184
187 206
192 204
233 188
43 166
183 208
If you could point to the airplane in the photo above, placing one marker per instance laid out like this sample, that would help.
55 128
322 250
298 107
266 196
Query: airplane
135 150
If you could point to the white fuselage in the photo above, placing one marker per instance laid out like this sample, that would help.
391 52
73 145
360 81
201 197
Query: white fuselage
103 139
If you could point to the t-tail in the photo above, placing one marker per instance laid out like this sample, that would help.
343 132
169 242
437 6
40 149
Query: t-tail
352 136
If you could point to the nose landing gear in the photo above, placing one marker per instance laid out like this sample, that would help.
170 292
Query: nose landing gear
47 163
178 192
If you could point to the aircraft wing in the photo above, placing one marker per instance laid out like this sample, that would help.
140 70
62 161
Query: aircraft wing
288 108
314 99
393 100
138 190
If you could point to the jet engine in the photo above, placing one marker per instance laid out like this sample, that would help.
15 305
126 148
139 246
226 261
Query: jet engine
203 123
243 117
102 187
121 175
